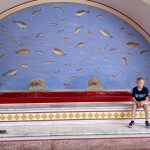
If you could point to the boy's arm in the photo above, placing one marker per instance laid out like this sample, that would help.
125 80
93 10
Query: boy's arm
133 96
146 99
134 100
147 94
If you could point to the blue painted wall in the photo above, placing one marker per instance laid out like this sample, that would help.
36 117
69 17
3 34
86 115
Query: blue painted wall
87 43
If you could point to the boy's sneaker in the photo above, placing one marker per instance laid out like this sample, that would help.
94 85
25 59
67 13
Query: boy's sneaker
147 125
131 124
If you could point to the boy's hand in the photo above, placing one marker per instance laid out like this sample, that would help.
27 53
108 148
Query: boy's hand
141 103
138 104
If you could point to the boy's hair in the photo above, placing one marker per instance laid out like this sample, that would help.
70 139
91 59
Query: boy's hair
140 78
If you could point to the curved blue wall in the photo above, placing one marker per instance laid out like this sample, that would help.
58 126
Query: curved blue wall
66 44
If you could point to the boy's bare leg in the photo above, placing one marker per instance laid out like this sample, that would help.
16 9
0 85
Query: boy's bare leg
134 107
146 109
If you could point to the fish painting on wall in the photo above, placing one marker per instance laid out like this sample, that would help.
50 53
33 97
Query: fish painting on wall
66 44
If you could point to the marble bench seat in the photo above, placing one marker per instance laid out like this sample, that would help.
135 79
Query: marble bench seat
67 111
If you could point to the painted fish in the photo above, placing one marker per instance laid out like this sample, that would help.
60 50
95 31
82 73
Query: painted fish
67 85
124 59
106 46
60 31
54 24
97 68
3 56
40 35
122 28
77 29
72 78
25 38
136 72
113 49
131 44
10 72
68 65
16 41
120 71
130 34
130 53
58 51
102 49
81 12
66 37
105 33
79 69
99 16
90 33
112 76
39 52
36 12
49 61
79 45
107 59
25 65
63 19
144 51
23 51
56 72
59 8
2 44
20 24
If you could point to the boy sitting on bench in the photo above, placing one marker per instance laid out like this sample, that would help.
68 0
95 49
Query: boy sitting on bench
140 99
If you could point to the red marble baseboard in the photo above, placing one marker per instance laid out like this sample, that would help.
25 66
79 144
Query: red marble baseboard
55 97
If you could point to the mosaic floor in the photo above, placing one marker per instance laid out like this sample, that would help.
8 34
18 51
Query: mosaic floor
81 144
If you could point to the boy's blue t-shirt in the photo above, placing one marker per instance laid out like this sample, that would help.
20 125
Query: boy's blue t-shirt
140 95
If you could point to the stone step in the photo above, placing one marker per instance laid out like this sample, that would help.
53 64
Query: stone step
71 129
